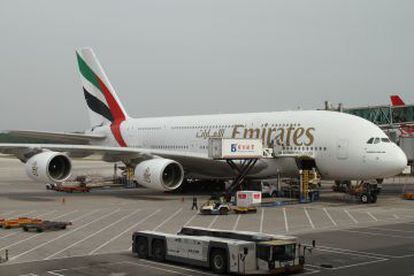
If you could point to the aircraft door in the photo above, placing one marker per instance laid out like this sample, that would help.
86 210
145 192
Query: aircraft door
342 149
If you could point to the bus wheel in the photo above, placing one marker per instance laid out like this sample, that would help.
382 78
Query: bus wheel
141 247
218 261
158 250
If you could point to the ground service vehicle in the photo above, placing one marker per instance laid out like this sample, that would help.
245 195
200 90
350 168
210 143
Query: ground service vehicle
19 222
222 251
215 207
46 225
71 189
408 196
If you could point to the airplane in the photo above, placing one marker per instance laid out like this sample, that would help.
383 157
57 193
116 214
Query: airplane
396 100
164 151
406 129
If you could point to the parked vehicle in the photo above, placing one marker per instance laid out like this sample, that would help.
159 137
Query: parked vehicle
215 206
46 226
19 222
223 251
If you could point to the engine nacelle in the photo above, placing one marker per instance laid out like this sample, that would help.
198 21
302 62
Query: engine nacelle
160 174
49 166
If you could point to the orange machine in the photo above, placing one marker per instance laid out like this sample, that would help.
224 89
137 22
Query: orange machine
19 222
408 196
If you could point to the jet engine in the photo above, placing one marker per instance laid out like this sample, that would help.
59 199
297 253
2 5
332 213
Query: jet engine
49 166
160 174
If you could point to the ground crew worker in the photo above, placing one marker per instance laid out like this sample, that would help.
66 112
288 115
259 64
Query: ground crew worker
194 203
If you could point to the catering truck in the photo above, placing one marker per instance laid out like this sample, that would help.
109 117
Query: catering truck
222 251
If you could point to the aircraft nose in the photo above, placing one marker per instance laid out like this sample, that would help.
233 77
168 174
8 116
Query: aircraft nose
400 160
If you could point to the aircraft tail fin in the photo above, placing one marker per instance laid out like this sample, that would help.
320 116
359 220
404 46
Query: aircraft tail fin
396 100
101 99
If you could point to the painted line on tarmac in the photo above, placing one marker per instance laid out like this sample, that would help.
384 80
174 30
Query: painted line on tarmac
156 266
376 234
374 218
8 213
9 235
146 263
364 253
350 216
52 272
167 220
392 230
125 231
58 237
46 214
66 214
358 264
286 221
309 218
212 222
190 220
313 269
261 221
236 223
178 267
329 216
93 234
350 253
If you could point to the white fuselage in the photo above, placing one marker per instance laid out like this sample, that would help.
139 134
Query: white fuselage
337 141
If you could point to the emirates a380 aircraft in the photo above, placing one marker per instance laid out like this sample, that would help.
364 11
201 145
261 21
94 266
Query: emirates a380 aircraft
165 151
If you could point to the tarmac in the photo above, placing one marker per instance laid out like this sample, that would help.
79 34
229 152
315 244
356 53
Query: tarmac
350 237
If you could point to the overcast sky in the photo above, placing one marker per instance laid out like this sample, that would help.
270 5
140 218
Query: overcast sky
178 57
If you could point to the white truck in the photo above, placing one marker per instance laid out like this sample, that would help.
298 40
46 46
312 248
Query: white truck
222 251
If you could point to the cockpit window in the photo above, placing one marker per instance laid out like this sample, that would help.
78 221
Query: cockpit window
385 140
377 140
370 140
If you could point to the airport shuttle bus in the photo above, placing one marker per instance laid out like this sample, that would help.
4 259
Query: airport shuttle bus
222 251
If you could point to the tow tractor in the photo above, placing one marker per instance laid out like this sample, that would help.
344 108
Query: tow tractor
215 206
223 251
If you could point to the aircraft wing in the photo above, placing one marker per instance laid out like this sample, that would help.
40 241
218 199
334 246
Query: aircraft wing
67 137
190 161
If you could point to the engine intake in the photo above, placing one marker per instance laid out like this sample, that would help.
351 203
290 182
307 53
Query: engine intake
160 174
49 167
